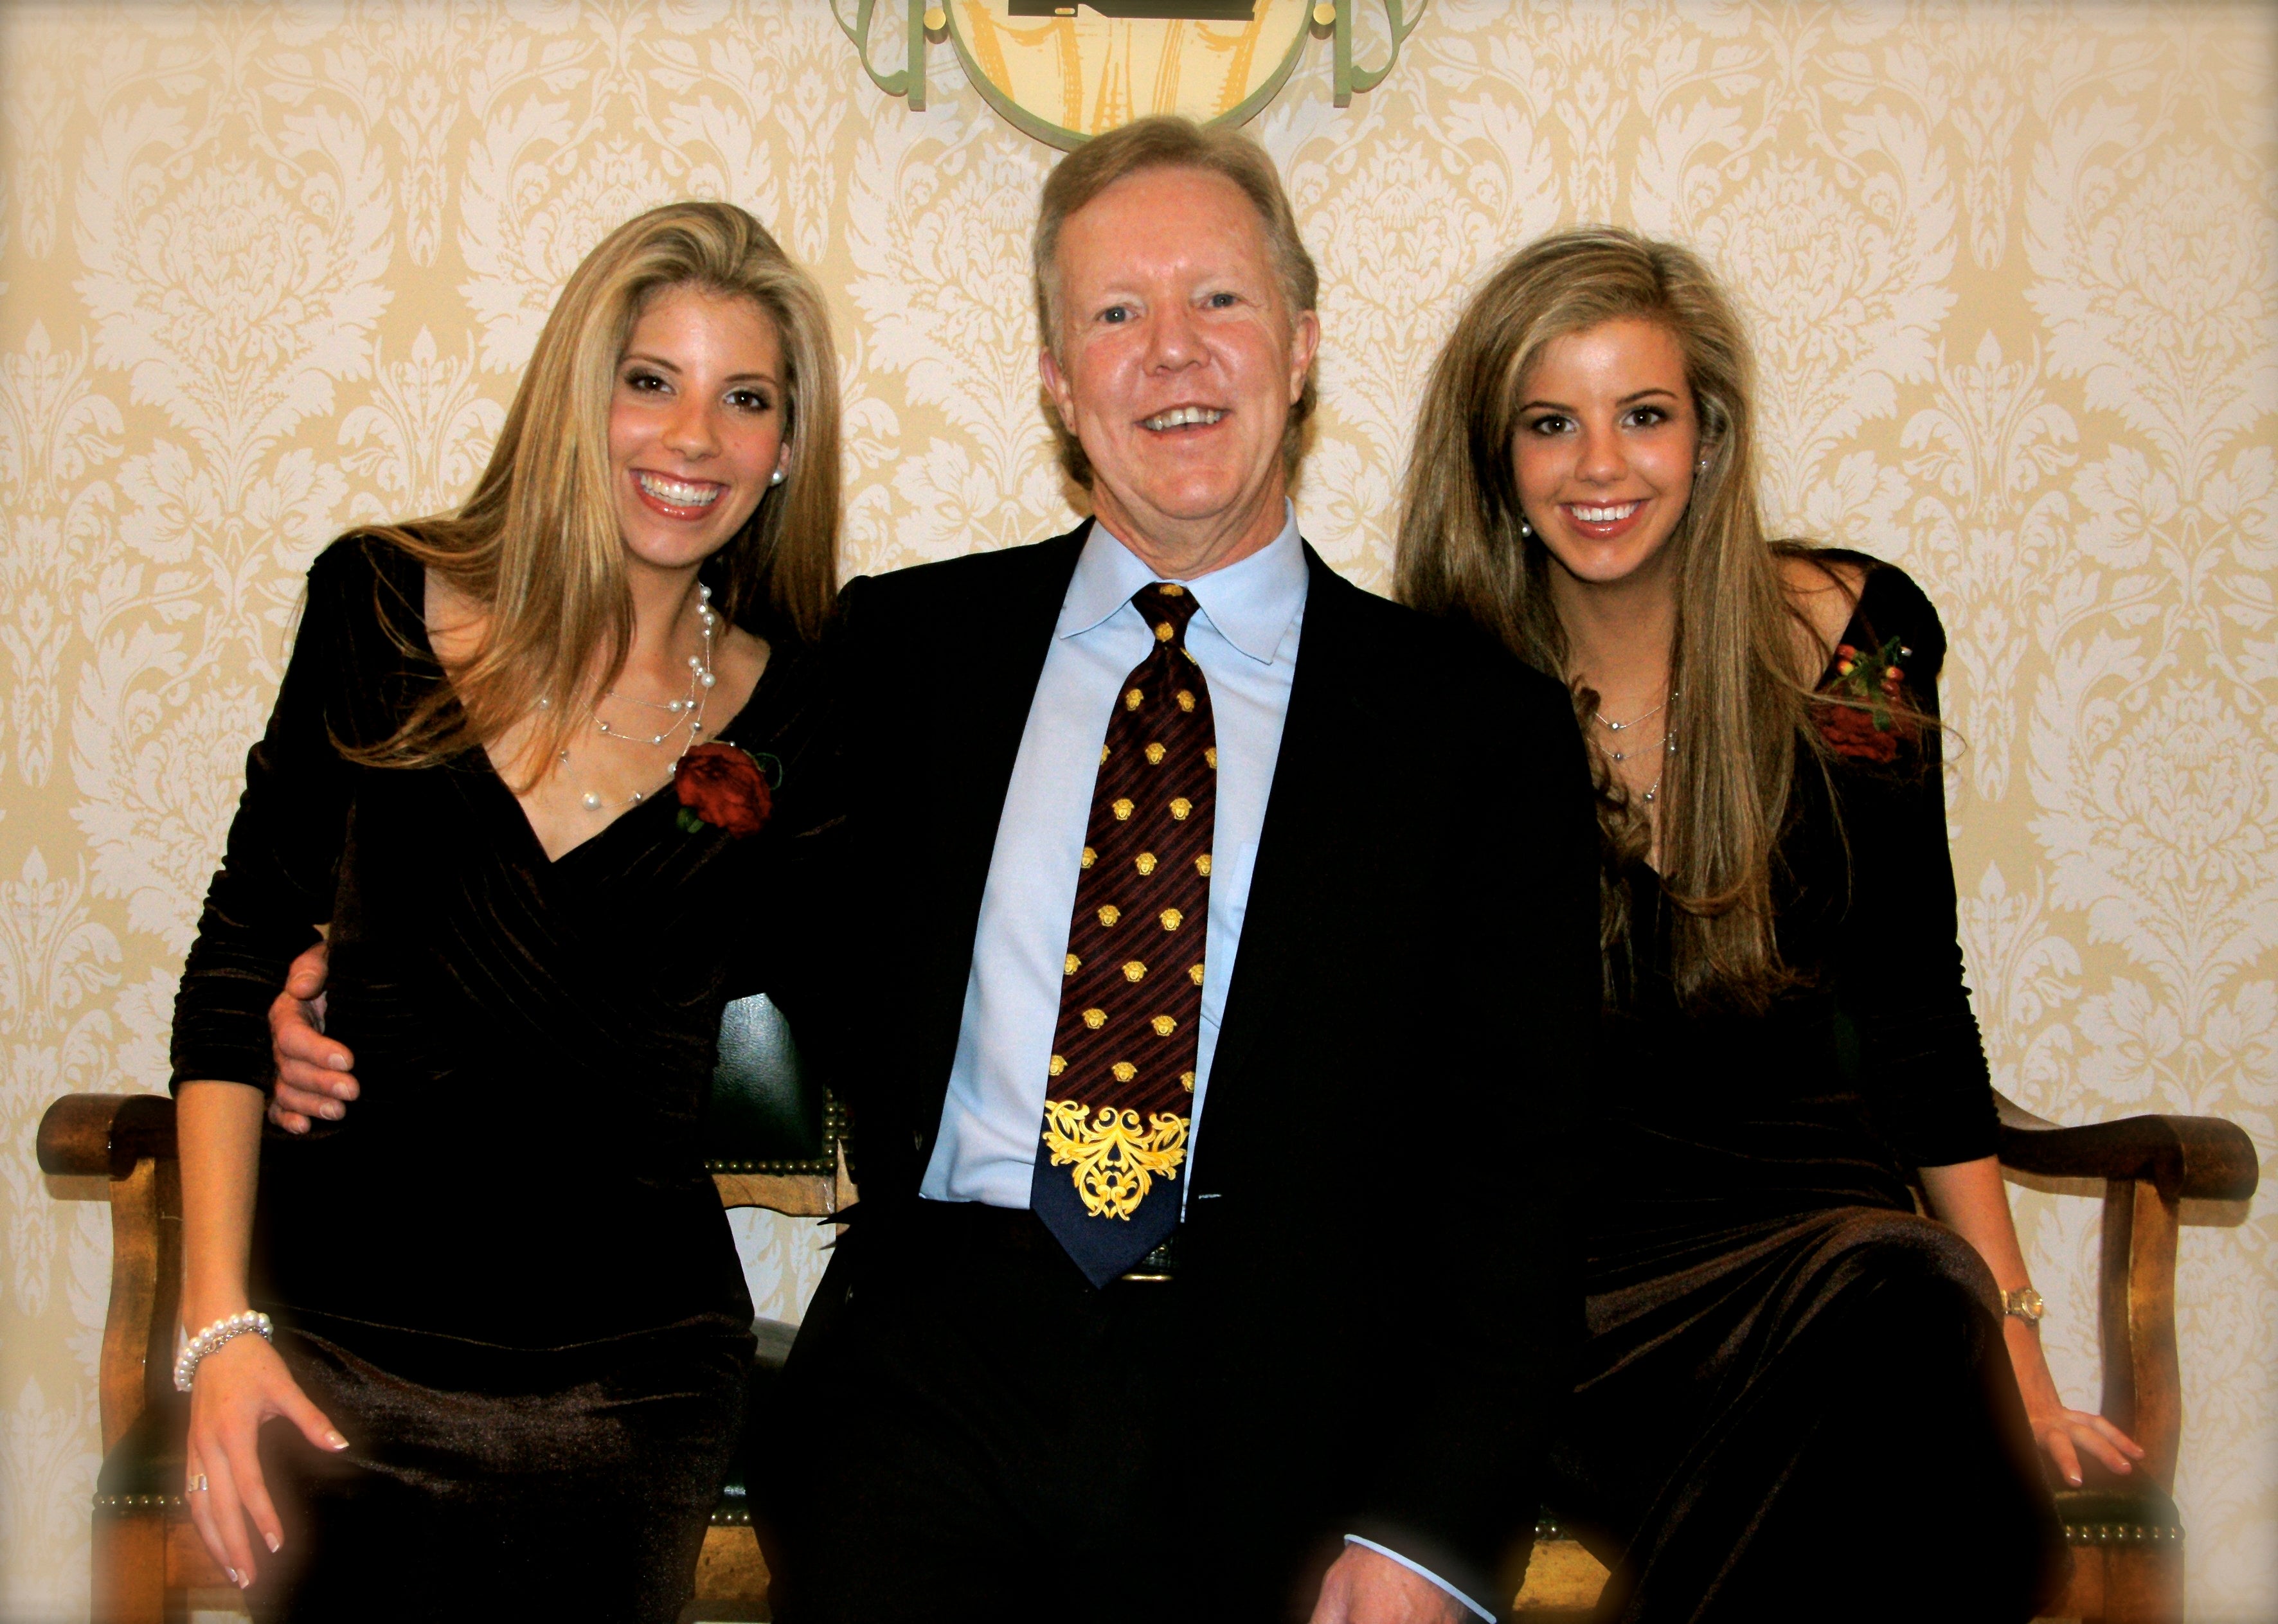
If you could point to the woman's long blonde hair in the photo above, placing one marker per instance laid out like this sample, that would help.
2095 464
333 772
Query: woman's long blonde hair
537 545
1740 708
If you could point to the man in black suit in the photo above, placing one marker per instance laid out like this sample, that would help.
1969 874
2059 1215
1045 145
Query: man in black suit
1216 961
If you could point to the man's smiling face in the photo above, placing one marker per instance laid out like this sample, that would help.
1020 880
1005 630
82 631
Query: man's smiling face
1176 365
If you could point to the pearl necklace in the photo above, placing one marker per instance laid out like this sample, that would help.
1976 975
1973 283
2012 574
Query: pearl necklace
689 710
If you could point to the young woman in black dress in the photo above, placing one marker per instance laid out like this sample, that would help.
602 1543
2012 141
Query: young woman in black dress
1788 1373
520 769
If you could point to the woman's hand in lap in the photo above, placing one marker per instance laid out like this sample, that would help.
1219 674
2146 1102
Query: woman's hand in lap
2063 1434
238 1387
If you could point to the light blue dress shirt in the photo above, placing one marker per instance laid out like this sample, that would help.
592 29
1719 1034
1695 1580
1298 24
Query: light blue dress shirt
1244 637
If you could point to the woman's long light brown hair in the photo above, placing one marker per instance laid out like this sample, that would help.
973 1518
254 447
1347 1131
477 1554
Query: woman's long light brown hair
1740 709
537 545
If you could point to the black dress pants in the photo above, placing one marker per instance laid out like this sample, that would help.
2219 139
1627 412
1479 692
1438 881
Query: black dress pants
969 1429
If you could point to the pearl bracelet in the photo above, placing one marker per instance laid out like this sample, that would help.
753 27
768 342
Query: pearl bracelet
222 1331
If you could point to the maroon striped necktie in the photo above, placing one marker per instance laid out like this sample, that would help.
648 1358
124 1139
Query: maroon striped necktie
1122 1094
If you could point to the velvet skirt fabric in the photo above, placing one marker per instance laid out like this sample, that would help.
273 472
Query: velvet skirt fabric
486 1482
1814 1409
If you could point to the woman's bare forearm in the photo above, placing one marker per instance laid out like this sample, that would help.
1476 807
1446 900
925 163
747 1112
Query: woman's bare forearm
1969 1198
219 1128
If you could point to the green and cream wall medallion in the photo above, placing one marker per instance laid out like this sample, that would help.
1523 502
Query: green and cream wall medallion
1064 72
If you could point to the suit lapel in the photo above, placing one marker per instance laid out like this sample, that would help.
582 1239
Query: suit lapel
1308 819
979 712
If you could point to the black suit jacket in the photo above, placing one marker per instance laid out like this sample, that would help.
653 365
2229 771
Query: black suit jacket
1375 1240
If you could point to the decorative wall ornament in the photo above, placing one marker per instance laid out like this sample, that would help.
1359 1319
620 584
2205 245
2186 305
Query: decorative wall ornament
1064 73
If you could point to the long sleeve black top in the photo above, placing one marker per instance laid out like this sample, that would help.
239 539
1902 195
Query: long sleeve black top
534 1038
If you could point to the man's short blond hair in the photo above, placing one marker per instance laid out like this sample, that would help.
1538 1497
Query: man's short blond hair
1167 141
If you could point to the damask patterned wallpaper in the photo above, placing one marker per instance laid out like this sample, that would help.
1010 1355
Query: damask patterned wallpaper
266 270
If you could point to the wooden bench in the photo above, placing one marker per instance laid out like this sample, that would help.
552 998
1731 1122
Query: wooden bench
777 1143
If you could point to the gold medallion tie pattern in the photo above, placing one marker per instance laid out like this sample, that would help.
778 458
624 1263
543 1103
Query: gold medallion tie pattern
1123 1084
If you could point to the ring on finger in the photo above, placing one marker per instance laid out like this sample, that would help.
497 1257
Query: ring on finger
197 1485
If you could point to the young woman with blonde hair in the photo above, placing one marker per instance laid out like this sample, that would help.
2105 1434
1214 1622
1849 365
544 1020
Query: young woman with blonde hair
534 767
1784 1363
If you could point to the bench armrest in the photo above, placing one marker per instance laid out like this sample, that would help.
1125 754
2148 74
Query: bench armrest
2194 1158
2149 1166
128 1139
104 1135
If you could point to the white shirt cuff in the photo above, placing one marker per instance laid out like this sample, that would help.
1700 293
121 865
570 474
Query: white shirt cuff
1421 1572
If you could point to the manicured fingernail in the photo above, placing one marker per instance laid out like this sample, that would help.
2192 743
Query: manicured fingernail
275 1543
2073 1478
338 1063
330 1113
333 1440
233 1579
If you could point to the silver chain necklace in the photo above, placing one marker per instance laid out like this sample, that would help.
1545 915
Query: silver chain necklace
1668 746
1624 726
1667 749
689 710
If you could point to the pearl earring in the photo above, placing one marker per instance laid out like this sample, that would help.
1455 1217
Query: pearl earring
776 478
1524 529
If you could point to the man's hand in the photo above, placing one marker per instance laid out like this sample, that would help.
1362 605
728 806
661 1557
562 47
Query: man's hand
312 1069
1365 1587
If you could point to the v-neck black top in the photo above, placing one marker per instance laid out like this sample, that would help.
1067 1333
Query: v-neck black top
534 1039
1869 1065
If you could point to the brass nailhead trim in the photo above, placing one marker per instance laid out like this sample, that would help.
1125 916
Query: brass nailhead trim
2122 1534
2075 1533
817 1166
834 1130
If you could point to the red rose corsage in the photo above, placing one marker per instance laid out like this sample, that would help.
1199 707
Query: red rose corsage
720 786
1863 711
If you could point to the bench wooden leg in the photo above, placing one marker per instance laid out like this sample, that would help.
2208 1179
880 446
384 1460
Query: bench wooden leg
2143 1586
2122 1584
731 1570
1563 1581
129 1560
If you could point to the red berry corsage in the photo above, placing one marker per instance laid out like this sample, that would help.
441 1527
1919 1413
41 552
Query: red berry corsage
1863 713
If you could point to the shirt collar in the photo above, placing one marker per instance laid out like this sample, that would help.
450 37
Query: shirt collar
1251 603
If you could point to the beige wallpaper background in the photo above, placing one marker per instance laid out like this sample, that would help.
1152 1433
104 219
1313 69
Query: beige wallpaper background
266 270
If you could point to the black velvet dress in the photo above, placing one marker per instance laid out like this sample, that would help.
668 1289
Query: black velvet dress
505 1275
1795 1400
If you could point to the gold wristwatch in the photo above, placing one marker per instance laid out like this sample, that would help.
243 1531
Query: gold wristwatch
2024 1303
